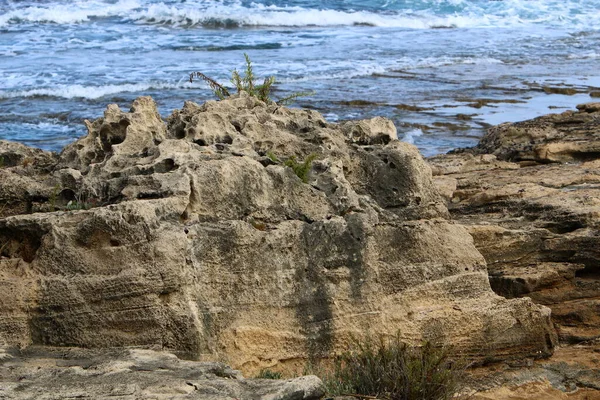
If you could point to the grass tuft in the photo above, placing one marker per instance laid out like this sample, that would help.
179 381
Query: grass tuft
247 83
301 169
268 374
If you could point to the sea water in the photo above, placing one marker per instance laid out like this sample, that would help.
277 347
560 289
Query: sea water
442 70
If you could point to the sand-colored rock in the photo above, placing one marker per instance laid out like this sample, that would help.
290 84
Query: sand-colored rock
573 136
198 239
536 224
571 373
536 390
23 170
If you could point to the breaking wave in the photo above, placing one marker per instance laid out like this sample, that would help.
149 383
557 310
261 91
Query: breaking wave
221 14
88 92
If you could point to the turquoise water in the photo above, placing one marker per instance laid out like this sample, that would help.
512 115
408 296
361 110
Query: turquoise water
63 61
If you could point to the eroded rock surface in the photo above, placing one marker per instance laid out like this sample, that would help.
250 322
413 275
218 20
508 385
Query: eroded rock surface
572 136
55 373
571 373
195 236
537 224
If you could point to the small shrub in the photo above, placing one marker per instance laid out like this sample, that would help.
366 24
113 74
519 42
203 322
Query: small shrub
268 374
82 200
394 371
247 83
1 162
333 385
301 169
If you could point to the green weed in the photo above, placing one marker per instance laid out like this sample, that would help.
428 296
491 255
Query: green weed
78 205
273 157
268 374
81 201
248 84
301 169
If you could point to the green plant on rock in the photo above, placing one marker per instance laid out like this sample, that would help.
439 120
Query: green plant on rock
268 374
272 157
1 162
247 83
392 370
333 386
82 199
301 169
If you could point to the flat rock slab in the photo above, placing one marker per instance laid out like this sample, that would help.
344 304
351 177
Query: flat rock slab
68 373
572 373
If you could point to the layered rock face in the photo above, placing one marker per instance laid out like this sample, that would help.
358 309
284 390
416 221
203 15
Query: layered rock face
198 236
572 136
530 196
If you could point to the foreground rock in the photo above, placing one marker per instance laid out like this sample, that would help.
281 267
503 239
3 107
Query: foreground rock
537 224
571 373
52 373
194 236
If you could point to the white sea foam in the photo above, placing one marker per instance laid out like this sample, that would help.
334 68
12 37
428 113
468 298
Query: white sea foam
507 13
442 13
88 92
336 72
354 69
409 137
432 62
70 13
297 17
584 56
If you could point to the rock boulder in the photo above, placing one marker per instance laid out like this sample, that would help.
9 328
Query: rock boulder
200 236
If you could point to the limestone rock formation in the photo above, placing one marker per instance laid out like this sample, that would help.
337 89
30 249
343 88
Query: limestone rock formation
572 136
536 224
56 374
197 236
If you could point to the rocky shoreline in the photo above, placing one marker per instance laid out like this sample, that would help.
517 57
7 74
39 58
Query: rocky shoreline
529 195
212 237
